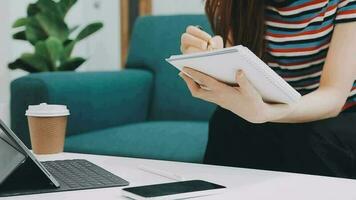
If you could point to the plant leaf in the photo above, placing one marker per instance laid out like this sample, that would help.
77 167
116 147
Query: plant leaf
55 49
88 30
50 51
53 26
49 6
35 61
20 22
74 28
19 64
65 5
68 49
20 35
34 31
71 64
42 52
32 9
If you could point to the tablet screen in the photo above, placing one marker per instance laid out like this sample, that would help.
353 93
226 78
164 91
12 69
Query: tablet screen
10 139
10 157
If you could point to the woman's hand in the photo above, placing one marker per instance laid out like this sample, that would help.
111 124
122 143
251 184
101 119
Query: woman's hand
244 100
195 40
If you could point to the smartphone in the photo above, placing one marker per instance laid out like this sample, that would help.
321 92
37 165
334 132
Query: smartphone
175 190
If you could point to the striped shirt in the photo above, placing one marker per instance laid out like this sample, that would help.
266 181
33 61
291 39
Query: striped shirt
298 37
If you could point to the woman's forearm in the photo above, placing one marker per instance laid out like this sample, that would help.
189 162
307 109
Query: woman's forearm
339 74
317 105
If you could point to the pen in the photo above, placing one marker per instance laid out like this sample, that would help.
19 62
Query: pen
199 27
161 173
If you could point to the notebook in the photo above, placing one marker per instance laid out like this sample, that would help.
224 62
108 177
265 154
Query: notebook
224 63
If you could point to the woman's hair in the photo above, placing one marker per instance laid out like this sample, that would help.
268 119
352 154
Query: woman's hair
239 22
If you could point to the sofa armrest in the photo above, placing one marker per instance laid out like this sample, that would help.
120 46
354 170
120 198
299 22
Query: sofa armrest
96 100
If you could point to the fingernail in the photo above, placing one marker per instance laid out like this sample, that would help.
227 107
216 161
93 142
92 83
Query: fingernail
240 74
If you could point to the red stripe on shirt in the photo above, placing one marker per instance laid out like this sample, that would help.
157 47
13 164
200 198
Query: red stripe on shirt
346 12
301 76
349 105
302 5
302 33
305 20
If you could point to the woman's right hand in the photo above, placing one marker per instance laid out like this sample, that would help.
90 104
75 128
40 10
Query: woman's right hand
195 40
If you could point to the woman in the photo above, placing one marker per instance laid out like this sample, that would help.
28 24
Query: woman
312 45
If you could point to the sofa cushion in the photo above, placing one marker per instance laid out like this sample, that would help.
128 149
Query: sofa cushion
165 140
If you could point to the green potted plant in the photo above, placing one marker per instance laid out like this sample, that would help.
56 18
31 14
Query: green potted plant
53 41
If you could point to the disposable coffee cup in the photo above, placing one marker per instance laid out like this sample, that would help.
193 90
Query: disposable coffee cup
47 124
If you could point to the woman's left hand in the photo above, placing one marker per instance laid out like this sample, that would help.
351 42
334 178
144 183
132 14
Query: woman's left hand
245 101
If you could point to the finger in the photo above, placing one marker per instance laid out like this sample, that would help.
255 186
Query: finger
191 49
201 85
193 87
203 79
243 82
198 92
237 88
216 42
198 33
190 40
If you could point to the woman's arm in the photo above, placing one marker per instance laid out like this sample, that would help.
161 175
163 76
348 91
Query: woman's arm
338 75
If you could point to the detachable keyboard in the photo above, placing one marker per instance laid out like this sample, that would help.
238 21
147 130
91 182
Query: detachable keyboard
81 174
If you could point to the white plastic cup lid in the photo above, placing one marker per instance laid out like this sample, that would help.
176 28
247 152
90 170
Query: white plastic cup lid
47 110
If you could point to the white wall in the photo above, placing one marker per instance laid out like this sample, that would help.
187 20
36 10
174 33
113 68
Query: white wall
168 7
103 48
4 53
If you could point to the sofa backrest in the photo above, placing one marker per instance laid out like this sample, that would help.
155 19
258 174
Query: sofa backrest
155 38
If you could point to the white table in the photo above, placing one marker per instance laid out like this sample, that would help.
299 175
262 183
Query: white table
243 184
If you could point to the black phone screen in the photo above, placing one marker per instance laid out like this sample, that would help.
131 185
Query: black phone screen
173 188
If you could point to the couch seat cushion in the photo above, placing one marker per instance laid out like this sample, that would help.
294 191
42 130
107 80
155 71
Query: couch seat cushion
165 140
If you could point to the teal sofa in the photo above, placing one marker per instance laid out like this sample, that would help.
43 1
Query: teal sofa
142 111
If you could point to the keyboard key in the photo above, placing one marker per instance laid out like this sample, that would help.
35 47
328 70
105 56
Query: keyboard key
82 174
